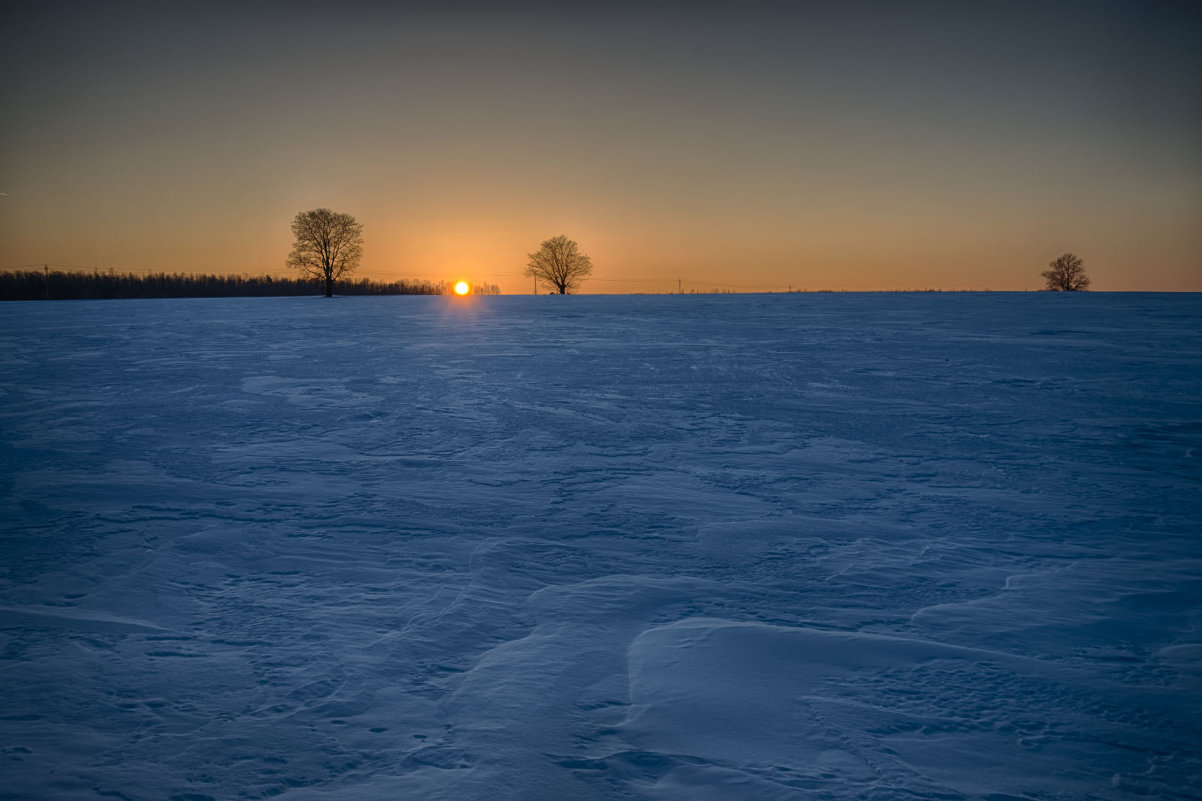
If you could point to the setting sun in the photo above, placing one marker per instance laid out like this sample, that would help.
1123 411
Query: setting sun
462 288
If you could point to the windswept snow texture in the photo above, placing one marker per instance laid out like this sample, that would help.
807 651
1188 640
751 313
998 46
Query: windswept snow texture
737 547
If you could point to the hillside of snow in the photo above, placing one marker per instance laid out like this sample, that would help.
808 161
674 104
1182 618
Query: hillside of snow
694 548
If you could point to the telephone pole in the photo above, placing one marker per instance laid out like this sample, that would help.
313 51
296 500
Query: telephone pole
46 272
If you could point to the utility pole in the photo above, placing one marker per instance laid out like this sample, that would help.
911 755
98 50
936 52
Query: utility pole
678 292
46 272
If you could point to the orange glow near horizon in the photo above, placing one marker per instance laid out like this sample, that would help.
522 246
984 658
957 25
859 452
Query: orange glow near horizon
728 149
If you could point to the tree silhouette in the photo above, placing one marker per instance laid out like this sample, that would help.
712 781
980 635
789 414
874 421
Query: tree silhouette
328 245
559 262
1066 274
96 285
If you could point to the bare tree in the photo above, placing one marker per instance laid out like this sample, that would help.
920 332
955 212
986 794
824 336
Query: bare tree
328 245
1066 274
559 262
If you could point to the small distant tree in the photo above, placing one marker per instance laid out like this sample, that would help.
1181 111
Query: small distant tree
559 262
1066 274
328 245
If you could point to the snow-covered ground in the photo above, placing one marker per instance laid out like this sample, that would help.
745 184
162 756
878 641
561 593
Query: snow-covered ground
685 547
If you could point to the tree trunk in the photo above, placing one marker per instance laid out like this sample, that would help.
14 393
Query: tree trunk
329 287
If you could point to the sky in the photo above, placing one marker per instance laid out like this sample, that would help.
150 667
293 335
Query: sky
744 146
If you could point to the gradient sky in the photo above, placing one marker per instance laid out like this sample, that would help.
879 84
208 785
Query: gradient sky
954 145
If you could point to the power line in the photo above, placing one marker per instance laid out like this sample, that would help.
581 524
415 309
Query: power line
374 272
257 271
687 281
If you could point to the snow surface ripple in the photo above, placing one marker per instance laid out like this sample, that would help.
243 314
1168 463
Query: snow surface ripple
738 547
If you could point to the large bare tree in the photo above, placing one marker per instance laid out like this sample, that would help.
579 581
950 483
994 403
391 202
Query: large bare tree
328 245
1066 274
559 262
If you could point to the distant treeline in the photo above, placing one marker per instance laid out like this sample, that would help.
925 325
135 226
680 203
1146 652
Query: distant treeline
61 285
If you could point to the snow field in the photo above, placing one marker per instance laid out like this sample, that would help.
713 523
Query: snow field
735 547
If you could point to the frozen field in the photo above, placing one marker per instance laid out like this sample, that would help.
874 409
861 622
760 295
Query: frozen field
706 548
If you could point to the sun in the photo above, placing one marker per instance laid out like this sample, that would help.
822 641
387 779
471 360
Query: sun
462 288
